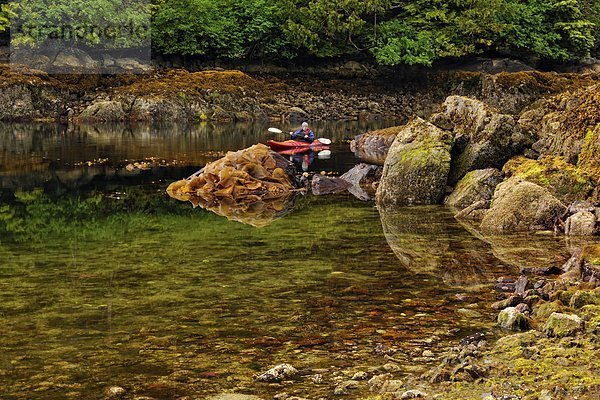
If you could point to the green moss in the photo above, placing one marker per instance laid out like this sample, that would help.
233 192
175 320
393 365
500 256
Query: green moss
544 310
561 325
565 181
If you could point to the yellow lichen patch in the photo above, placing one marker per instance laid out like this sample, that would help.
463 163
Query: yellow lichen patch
248 186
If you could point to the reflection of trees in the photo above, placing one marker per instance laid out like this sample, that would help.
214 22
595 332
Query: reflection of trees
428 240
33 215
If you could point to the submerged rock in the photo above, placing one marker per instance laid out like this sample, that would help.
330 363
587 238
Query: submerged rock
521 206
278 373
417 166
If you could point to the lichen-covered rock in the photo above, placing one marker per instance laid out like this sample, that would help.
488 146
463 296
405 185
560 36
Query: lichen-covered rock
417 166
513 320
582 223
522 206
278 373
373 146
475 186
565 181
484 137
561 325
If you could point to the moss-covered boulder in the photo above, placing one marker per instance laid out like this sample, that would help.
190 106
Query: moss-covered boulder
518 205
583 298
417 166
475 186
513 320
561 325
484 137
565 181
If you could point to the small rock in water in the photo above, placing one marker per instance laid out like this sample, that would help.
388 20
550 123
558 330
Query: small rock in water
115 392
427 353
378 380
391 386
475 338
281 396
383 350
360 376
391 367
278 373
345 387
317 378
412 394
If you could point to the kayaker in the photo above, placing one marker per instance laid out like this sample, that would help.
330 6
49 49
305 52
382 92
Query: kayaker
304 134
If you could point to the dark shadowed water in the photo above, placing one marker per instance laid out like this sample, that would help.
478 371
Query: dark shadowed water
104 280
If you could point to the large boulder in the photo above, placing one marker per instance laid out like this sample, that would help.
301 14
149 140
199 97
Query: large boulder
417 166
475 186
484 137
373 146
518 205
561 325
582 223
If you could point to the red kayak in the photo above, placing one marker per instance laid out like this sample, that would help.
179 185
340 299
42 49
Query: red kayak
296 144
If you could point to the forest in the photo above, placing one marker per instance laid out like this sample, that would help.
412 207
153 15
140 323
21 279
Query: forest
385 32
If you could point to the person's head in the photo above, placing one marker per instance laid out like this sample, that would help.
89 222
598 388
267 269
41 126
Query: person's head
305 126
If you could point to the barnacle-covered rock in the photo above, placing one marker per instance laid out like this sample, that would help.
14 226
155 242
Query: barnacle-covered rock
252 186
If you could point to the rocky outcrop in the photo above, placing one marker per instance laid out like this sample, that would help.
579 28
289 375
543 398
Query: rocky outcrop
518 205
417 166
373 146
484 137
476 186
562 123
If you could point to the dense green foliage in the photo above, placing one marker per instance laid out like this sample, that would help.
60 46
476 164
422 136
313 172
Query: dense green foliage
389 31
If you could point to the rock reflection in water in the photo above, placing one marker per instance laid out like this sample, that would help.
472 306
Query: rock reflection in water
428 240
530 250
254 186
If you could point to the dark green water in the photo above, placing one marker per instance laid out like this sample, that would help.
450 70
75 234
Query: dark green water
106 281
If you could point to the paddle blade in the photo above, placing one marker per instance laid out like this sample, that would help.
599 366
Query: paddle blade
324 140
275 130
324 154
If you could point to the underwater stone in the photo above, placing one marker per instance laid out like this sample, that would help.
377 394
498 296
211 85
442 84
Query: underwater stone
115 392
412 394
345 387
561 325
512 319
278 373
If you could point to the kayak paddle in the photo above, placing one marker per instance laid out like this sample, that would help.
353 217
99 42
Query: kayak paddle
321 140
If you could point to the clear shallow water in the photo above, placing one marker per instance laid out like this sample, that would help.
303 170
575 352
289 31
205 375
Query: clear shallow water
106 281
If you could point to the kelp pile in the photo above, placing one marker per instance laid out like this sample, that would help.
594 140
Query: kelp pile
253 186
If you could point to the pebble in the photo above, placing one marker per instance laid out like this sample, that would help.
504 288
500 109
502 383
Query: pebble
413 394
277 373
115 392
317 378
360 376
391 367
428 353
345 387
